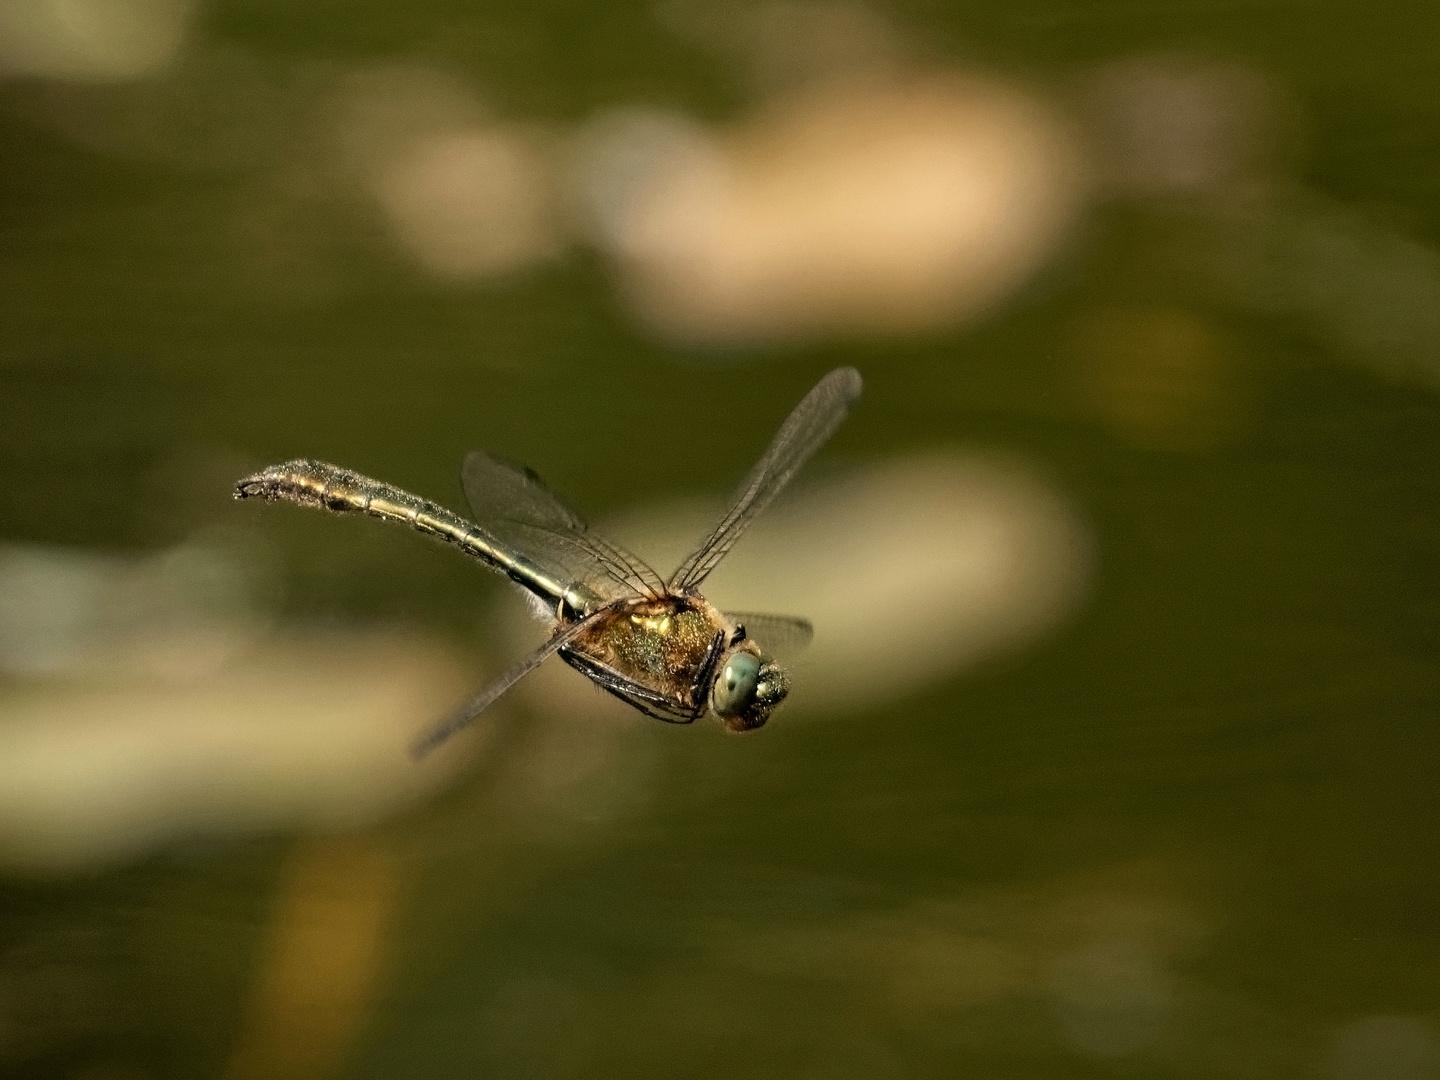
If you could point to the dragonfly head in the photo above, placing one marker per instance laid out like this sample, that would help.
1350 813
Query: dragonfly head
747 690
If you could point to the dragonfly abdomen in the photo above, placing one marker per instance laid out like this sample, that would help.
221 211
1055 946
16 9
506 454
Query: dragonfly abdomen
322 486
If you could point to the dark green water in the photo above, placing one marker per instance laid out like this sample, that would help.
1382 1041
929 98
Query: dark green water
1191 832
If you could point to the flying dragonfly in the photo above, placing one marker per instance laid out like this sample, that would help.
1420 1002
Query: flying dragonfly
654 642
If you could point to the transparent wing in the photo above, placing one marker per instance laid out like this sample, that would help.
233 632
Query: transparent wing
779 635
812 422
513 504
487 697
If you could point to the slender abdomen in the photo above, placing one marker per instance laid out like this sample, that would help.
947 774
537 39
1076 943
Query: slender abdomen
322 486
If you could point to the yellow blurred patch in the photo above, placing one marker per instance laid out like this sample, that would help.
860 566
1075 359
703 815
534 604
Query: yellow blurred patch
1159 375
322 959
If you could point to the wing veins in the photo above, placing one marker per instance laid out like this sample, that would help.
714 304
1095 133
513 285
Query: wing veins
804 431
512 499
776 634
497 686
639 573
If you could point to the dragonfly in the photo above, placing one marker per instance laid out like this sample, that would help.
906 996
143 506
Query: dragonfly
653 642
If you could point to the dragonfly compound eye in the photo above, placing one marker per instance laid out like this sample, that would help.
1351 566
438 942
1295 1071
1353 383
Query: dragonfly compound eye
735 688
746 701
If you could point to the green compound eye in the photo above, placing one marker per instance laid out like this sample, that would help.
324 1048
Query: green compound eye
735 688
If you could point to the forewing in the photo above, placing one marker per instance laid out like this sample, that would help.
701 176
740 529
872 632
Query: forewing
500 490
512 502
812 422
497 686
778 635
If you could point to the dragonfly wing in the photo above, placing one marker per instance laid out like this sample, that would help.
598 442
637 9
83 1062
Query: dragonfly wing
779 635
812 422
503 490
514 504
487 697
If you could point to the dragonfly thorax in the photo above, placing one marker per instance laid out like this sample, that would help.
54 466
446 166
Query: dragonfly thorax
676 657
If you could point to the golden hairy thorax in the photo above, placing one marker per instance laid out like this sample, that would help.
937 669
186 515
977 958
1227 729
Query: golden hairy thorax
664 645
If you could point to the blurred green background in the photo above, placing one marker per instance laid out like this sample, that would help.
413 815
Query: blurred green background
1188 830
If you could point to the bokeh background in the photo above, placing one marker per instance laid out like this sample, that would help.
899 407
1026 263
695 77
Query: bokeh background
1116 750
